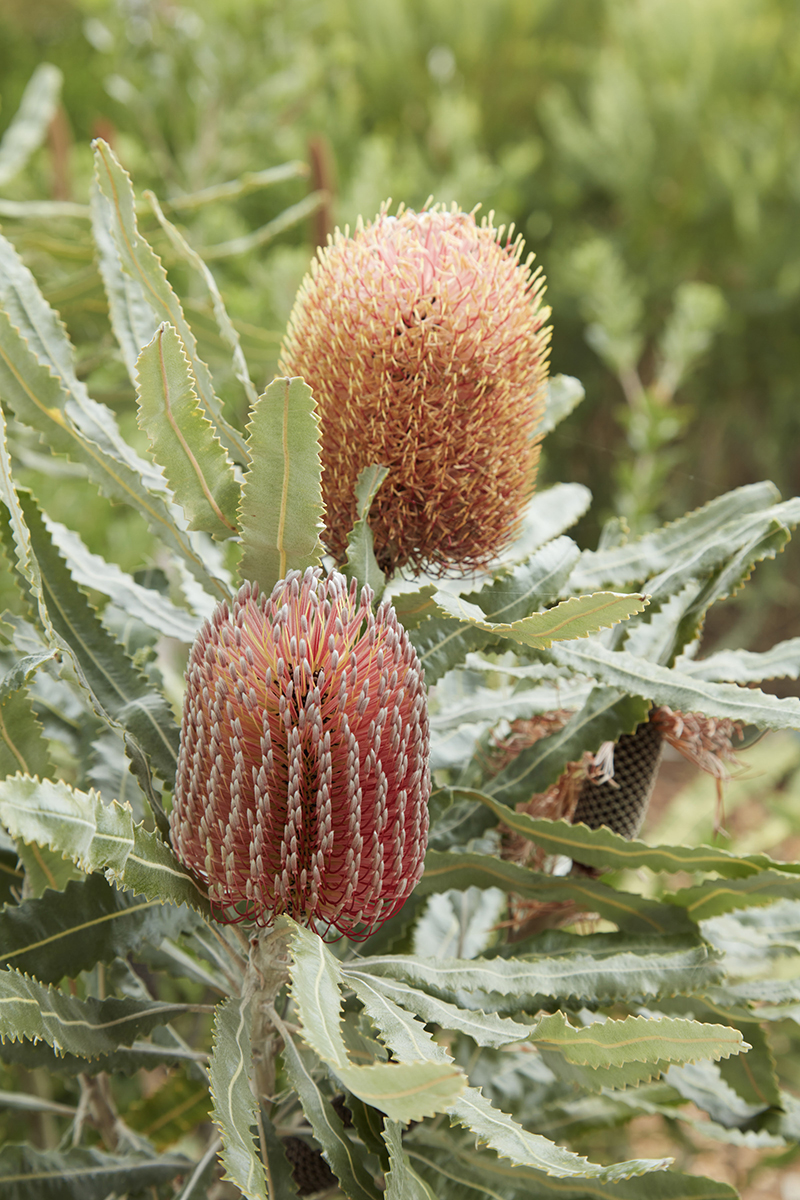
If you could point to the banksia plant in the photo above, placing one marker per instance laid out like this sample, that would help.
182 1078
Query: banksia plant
423 338
303 781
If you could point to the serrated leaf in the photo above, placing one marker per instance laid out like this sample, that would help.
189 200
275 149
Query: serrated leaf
81 1173
402 1182
142 284
485 1029
44 869
118 690
549 513
444 642
97 837
140 1056
280 514
28 127
636 1039
717 896
343 1157
470 1175
573 618
23 746
83 1027
510 1140
746 666
643 558
234 1109
405 1091
360 562
38 381
182 438
607 714
628 910
564 394
225 326
64 933
406 1036
603 848
662 685
677 965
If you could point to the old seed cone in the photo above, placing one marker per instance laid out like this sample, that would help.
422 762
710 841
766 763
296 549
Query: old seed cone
422 338
303 781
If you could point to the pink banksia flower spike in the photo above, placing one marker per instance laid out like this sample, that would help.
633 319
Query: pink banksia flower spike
303 781
423 338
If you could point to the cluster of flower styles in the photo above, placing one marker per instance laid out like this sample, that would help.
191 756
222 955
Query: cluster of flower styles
303 780
422 338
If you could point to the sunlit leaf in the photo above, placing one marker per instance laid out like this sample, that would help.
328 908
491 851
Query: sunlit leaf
196 466
361 563
281 506
136 280
234 1103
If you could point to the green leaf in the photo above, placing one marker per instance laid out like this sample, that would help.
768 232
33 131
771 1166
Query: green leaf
140 1056
746 666
471 1175
82 1174
28 127
662 685
144 604
182 438
343 1156
485 1029
549 513
641 558
564 394
142 284
280 514
64 933
97 837
23 746
636 1039
225 326
402 1182
443 643
508 1139
119 691
360 562
84 1027
607 714
603 848
234 1110
406 1036
573 618
717 896
405 1091
661 965
38 381
629 911
44 869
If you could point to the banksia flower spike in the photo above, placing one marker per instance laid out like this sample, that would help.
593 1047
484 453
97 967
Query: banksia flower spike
422 337
303 782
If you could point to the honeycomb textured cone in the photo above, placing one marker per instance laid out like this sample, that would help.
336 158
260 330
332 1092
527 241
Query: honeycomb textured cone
422 338
303 782
621 803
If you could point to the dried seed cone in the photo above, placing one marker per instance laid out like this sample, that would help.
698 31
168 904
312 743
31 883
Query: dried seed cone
422 337
303 781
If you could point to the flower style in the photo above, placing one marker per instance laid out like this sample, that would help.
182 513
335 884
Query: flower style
303 781
422 337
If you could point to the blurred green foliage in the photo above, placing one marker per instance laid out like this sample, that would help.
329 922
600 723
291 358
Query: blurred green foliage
645 148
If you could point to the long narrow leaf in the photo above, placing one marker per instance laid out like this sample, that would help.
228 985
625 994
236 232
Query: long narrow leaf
183 440
28 127
234 1103
114 216
97 837
281 507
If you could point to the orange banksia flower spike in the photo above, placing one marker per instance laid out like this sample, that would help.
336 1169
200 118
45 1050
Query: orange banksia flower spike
303 780
423 339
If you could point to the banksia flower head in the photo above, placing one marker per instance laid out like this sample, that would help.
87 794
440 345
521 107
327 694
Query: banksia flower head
422 337
303 782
